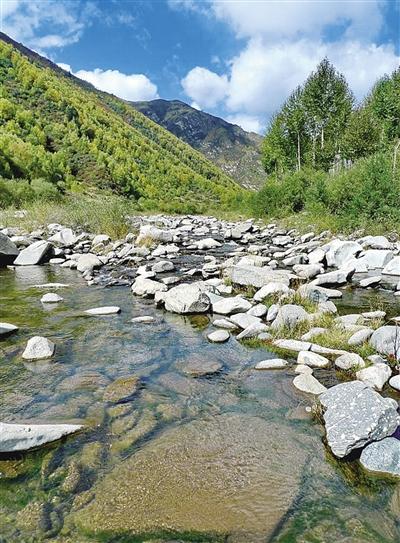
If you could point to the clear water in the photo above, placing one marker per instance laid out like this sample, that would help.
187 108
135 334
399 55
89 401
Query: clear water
229 457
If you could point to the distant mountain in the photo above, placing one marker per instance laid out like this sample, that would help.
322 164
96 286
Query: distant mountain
235 151
57 129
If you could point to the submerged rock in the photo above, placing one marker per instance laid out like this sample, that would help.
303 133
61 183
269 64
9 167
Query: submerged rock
121 388
22 437
210 470
51 298
356 415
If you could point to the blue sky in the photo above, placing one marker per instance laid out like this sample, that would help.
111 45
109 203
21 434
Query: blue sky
237 59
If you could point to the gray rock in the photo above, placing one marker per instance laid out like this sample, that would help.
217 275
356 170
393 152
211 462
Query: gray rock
272 312
318 294
307 271
208 243
219 336
229 306
375 242
51 298
106 310
64 237
370 281
244 320
258 277
272 364
225 323
386 340
253 330
259 310
271 288
394 382
38 347
101 239
23 437
37 253
374 258
6 329
349 361
8 251
356 415
314 360
308 383
382 456
375 376
186 298
392 267
152 233
337 277
360 337
147 287
341 251
289 316
163 266
88 262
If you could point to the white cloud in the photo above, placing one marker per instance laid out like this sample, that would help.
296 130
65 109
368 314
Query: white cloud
134 87
297 18
247 122
28 21
205 87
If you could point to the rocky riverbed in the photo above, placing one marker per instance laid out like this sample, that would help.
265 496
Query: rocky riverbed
199 380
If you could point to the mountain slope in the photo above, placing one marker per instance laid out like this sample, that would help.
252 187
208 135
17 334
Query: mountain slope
235 151
58 129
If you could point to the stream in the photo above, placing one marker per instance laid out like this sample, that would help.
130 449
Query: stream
230 456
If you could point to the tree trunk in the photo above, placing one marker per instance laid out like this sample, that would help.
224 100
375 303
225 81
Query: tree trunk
298 152
322 137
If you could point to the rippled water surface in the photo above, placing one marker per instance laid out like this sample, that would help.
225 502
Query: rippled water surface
231 456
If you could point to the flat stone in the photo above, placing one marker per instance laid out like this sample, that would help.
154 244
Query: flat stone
51 298
219 336
258 277
37 253
23 437
105 310
199 367
308 383
145 319
229 306
6 329
382 456
371 281
292 345
313 360
271 364
360 337
244 320
38 347
253 330
356 415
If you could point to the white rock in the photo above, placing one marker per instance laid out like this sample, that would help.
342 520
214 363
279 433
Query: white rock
243 320
292 345
229 306
64 237
349 361
187 298
51 298
271 288
6 329
370 281
145 319
147 287
22 437
219 336
105 310
341 251
36 253
225 323
38 347
272 364
253 330
394 382
360 337
375 258
301 368
375 376
308 383
163 266
259 310
289 316
313 360
392 267
88 262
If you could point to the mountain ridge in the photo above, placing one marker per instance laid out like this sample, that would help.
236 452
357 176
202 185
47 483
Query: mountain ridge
231 148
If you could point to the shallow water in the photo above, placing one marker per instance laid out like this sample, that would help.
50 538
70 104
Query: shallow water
230 457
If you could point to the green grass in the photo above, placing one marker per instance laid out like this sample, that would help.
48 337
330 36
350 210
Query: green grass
98 214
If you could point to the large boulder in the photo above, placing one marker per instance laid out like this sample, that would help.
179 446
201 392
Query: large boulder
22 437
382 456
356 415
318 294
87 263
289 316
338 252
187 298
36 253
65 238
336 277
386 340
269 289
256 276
375 258
8 250
392 267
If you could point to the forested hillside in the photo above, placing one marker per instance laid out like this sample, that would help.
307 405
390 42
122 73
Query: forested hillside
236 152
331 158
59 135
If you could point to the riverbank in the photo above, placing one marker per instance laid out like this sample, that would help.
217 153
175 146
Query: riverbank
304 313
